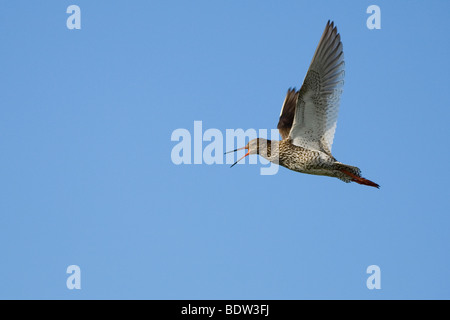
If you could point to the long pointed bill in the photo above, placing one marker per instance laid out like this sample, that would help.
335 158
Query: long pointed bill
235 150
240 158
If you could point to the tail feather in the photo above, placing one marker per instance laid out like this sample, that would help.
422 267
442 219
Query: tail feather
360 180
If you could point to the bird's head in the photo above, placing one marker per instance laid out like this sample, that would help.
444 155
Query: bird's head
255 146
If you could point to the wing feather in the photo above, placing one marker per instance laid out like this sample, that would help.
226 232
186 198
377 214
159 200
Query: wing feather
316 112
287 113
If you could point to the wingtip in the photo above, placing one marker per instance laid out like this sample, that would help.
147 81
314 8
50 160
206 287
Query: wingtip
291 89
331 25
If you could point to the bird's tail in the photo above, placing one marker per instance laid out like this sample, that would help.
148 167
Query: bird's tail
359 179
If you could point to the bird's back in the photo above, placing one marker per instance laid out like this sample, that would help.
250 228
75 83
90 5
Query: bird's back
301 159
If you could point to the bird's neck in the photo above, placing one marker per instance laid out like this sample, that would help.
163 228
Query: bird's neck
269 149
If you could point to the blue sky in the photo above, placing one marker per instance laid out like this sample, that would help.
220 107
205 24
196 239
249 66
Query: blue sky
87 178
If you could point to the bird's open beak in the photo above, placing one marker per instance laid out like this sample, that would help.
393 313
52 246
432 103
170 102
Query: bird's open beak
240 158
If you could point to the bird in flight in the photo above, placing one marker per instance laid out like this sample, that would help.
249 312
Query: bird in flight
308 118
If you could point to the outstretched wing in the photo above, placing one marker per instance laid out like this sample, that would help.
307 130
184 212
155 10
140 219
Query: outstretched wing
287 113
317 107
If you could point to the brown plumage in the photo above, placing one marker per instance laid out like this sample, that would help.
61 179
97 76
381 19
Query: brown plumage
287 113
308 118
